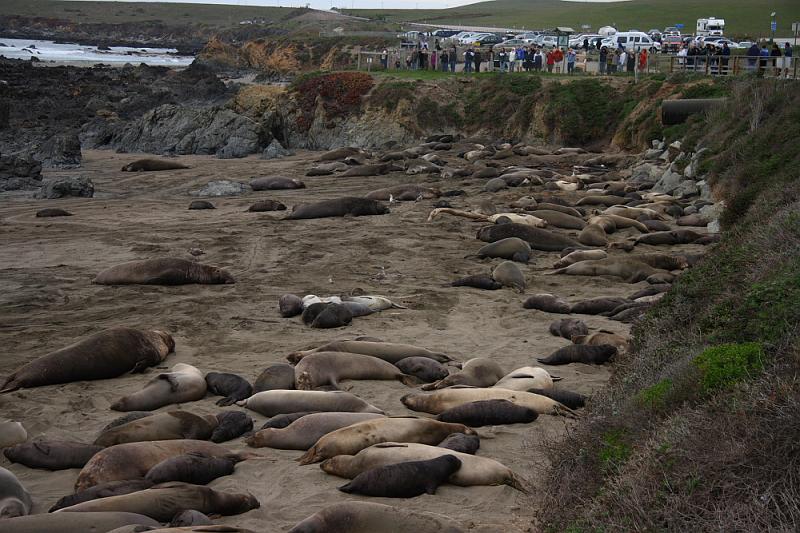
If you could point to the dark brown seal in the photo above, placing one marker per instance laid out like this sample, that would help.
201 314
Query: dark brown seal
163 271
537 238
151 165
488 413
580 353
276 183
233 387
51 454
52 212
192 468
338 207
404 480
266 205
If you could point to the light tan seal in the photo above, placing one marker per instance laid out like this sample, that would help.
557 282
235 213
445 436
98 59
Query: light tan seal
279 402
477 372
184 383
160 426
328 368
441 400
307 430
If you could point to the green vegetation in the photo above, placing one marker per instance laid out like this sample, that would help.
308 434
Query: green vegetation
585 110
655 395
722 366
614 451
388 95
744 18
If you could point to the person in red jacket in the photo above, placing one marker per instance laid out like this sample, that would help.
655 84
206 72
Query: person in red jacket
558 58
643 60
550 60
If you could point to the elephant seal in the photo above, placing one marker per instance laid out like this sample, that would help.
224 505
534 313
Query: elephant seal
74 522
51 454
656 225
537 238
580 353
262 206
680 236
192 468
388 351
104 490
134 460
547 206
152 165
404 480
488 413
369 170
477 372
604 200
444 399
365 517
597 306
290 305
201 204
304 432
593 235
474 471
190 518
11 433
163 271
663 261
526 378
231 424
579 255
509 274
275 376
629 270
124 419
573 400
52 212
493 185
459 442
558 219
403 193
326 315
328 368
282 421
160 426
568 328
650 290
619 222
104 355
277 402
184 383
339 153
604 337
512 248
477 281
14 499
338 207
165 501
424 369
694 219
548 303
276 183
354 438
231 386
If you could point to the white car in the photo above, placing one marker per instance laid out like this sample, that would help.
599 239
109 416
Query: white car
632 39
471 37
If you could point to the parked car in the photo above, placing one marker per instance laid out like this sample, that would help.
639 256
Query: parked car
744 45
444 34
531 35
490 38
632 39
512 43
672 43
546 40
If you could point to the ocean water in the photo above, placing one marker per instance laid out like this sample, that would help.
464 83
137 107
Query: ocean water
69 52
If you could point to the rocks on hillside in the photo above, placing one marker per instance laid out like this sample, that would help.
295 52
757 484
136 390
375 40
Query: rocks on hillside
275 150
66 186
182 130
19 173
60 151
221 188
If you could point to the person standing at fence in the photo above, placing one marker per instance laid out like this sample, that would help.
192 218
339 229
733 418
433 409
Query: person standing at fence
682 53
643 60
549 60
613 61
385 59
787 58
477 59
775 55
538 60
726 55
571 55
444 60
468 56
601 65
586 44
453 55
764 59
752 56
558 57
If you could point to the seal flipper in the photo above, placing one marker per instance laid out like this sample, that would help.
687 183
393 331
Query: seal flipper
409 381
171 379
348 488
42 446
430 488
10 385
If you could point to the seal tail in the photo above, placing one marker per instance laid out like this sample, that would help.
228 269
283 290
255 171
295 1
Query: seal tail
10 385
517 482
349 489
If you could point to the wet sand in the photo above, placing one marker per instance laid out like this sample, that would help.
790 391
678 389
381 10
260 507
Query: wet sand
47 302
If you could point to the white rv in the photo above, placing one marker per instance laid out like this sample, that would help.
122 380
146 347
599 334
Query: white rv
711 27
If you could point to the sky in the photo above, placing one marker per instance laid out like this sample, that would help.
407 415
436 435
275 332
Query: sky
327 4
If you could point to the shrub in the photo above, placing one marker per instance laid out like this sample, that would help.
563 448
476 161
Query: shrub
655 395
614 451
722 366
341 94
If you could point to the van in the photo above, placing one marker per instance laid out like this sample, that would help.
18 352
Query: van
635 40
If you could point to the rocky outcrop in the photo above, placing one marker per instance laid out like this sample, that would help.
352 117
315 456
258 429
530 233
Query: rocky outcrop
60 151
19 173
66 186
221 188
182 130
275 150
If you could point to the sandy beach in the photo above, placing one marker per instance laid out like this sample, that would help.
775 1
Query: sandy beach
47 302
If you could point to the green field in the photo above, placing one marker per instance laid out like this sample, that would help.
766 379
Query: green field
743 17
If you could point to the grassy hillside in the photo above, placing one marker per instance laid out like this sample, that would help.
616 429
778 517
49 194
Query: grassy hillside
743 17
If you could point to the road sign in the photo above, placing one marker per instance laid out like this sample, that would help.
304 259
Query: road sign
773 26
679 26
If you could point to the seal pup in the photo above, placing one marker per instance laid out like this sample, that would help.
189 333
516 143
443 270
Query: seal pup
326 315
262 206
509 274
354 438
474 471
163 271
328 368
104 355
191 517
277 402
275 376
160 426
304 432
52 212
201 204
104 490
338 207
477 281
548 303
282 421
460 442
441 400
290 305
366 517
597 306
423 368
276 183
231 424
568 328
231 386
184 383
11 433
537 238
477 372
573 400
404 480
513 248
166 500
152 165
488 413
51 454
580 353
192 468
404 193
14 499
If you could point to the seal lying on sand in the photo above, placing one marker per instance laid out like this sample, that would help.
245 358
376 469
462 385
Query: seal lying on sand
104 355
304 432
104 490
276 183
74 522
51 454
14 499
365 517
328 368
403 193
163 271
537 238
444 399
184 383
388 351
151 165
160 426
277 402
338 207
404 480
478 372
